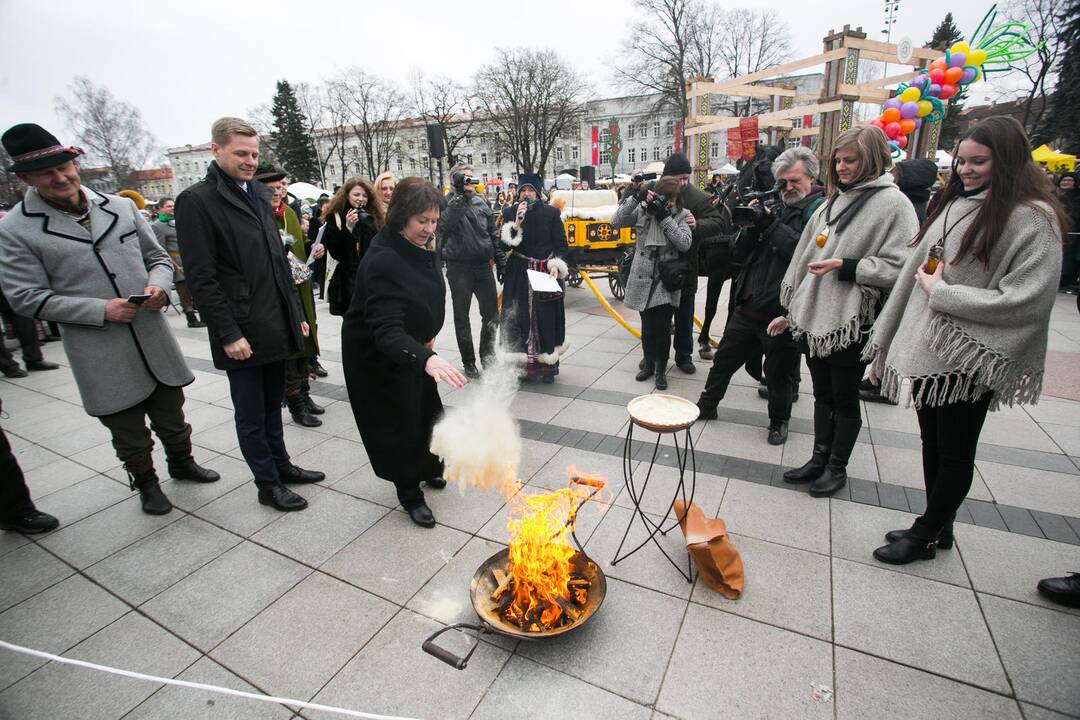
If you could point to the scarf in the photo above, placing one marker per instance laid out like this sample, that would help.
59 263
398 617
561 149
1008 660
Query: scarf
983 327
162 217
835 311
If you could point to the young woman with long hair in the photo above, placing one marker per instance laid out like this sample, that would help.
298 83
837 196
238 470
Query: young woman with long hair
352 218
968 320
846 262
384 186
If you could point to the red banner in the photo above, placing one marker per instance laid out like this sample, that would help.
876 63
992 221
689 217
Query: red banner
807 121
748 128
678 136
595 145
734 144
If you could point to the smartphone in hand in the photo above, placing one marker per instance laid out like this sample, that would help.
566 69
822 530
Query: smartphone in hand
138 299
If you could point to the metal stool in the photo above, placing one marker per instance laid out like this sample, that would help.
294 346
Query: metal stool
687 413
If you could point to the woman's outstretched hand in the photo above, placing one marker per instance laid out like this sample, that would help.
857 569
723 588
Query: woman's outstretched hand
442 371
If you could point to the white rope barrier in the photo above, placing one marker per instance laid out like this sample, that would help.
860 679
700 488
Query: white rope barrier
197 686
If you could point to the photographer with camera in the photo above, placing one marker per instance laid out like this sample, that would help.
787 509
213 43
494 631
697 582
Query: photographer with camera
352 217
771 225
468 243
660 268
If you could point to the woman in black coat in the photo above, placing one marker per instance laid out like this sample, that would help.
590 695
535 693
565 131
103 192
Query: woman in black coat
386 346
352 218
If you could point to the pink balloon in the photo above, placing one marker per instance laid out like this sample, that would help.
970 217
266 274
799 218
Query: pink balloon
909 109
947 91
876 122
892 130
937 75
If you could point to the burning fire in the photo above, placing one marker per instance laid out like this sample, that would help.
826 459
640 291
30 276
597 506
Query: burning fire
544 590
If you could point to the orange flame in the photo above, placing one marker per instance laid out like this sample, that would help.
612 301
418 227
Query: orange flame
540 552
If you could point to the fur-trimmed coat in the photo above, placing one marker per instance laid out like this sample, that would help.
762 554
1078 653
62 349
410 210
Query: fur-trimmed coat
51 268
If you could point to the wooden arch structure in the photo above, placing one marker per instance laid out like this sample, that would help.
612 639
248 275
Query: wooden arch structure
835 105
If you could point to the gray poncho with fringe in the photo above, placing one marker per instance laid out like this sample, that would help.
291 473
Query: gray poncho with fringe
830 312
984 327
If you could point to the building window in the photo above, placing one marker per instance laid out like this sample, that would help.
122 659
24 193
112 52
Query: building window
656 128
483 158
796 122
605 158
499 175
604 135
669 127
425 162
412 163
423 145
656 153
400 166
644 155
412 145
468 159
644 130
485 176
714 150
631 154
559 154
630 131
498 160
468 139
574 153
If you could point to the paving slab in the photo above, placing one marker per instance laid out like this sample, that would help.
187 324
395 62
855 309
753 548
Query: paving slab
85 542
294 646
83 499
865 596
776 515
1031 488
722 661
28 570
1038 649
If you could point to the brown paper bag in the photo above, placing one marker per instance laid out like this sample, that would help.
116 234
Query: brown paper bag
707 542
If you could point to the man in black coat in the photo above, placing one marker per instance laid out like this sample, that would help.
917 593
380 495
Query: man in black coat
706 224
234 259
757 324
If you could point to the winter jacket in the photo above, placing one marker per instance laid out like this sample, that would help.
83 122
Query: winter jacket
657 241
348 249
915 178
467 233
765 256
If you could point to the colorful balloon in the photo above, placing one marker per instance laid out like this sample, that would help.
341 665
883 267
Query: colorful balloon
902 142
947 91
906 127
892 130
957 59
960 47
910 95
937 75
939 64
890 115
918 123
893 103
925 108
876 122
977 57
909 110
970 73
935 90
953 75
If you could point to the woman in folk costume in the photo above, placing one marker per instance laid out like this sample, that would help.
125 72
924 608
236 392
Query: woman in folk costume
845 264
968 319
297 389
662 235
533 324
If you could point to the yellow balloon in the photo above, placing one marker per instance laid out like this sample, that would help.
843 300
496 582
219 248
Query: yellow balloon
910 95
925 108
960 47
976 58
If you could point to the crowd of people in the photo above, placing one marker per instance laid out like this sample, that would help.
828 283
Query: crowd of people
838 264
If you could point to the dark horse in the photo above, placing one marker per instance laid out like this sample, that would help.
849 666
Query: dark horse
717 262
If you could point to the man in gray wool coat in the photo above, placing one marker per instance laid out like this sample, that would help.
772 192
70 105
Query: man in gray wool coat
91 263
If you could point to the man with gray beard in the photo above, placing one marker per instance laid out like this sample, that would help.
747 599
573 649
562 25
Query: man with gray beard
758 325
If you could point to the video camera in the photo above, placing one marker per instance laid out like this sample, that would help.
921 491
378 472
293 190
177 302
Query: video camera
747 215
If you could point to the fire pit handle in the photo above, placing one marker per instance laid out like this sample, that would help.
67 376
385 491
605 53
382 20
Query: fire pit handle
455 661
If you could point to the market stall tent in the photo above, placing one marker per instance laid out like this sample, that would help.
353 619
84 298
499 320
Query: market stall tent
1053 161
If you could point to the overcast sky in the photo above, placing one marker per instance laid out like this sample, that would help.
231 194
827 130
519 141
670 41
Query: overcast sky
183 64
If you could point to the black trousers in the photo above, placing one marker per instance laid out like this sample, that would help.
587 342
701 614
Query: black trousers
467 280
257 393
746 339
656 333
14 495
836 380
684 327
950 437
25 330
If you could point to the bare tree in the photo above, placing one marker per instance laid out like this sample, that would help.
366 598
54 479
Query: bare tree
339 130
1036 72
111 130
751 41
262 120
10 185
376 110
531 98
315 102
441 101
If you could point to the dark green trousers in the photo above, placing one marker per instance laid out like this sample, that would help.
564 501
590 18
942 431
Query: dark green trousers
131 438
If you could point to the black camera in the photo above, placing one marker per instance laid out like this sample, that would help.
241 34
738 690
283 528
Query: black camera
747 215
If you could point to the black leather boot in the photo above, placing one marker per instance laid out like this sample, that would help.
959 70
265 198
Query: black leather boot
312 407
845 433
153 499
300 413
281 498
182 466
661 375
823 434
944 539
905 550
436 483
292 475
193 320
411 498
645 372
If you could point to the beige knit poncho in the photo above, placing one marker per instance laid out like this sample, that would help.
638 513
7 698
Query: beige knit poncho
983 327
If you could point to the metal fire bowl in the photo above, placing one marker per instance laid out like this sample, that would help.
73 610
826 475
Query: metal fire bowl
480 589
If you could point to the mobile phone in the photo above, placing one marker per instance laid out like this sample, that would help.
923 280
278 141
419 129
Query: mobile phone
138 299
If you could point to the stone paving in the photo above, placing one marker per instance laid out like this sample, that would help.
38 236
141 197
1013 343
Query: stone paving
331 604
